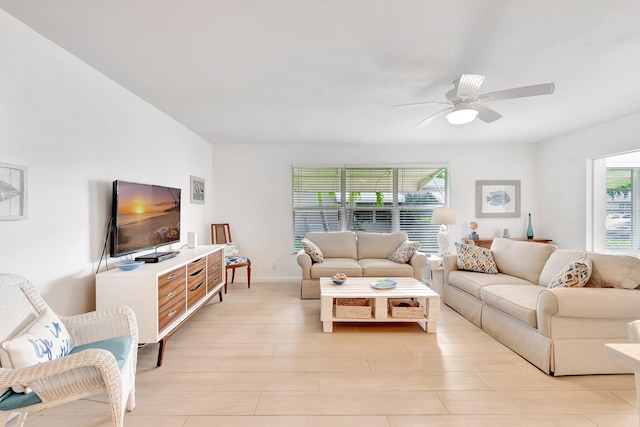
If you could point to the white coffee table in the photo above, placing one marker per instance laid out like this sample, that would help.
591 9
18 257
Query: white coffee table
360 287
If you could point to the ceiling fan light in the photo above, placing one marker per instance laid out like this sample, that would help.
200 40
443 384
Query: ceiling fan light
462 116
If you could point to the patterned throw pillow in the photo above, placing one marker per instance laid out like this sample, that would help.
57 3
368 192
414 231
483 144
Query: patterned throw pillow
475 258
575 275
312 250
405 251
45 339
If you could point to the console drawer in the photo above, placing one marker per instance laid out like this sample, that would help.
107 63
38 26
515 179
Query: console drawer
196 281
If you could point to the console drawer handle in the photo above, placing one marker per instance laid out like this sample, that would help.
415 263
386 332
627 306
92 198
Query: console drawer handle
172 313
197 287
197 272
171 276
171 294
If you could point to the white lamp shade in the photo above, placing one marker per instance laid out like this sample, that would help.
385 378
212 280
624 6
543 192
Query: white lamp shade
443 216
462 116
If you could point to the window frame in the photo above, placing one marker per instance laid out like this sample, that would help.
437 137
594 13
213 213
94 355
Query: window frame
345 205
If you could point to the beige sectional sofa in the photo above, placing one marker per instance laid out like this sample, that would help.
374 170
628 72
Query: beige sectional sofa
358 254
560 330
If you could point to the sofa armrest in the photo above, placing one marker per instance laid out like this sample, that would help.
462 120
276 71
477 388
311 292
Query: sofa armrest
590 303
304 260
449 263
418 261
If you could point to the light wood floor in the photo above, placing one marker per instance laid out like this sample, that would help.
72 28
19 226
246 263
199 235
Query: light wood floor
260 359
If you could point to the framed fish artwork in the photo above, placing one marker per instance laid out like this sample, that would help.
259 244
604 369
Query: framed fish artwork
13 192
498 199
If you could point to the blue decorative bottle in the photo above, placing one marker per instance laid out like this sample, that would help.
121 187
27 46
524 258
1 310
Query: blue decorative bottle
530 229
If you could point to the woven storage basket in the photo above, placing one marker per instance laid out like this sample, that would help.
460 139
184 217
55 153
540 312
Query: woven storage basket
414 310
353 308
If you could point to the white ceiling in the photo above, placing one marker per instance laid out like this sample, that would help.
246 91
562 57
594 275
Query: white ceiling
326 71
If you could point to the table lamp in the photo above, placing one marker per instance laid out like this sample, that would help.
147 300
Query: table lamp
444 217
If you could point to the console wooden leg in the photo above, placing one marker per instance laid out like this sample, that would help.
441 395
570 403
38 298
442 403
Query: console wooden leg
160 353
249 276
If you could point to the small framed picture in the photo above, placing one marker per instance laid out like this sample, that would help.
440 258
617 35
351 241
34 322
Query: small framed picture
498 199
13 192
197 190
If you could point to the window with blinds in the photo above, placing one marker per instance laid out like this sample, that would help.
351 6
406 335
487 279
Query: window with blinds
382 199
623 192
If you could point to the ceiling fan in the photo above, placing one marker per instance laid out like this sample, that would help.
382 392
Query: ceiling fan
465 104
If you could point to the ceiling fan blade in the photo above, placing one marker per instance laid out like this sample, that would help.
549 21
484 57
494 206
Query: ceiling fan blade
426 121
468 85
518 92
419 104
486 114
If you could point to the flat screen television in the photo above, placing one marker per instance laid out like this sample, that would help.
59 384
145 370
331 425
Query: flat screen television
144 217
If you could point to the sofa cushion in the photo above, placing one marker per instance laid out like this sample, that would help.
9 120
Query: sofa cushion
576 274
521 259
472 282
378 245
335 244
608 270
331 266
615 271
312 250
374 267
475 258
517 301
404 252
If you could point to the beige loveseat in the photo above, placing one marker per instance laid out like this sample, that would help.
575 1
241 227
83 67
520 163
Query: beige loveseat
560 330
357 255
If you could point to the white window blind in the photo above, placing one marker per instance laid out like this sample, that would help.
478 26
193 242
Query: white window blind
380 199
622 218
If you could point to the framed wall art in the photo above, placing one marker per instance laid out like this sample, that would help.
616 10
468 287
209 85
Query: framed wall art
197 190
498 199
13 192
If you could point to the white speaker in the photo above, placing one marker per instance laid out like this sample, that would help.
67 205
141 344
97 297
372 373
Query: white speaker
192 240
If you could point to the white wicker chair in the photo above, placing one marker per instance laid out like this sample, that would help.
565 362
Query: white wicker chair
77 375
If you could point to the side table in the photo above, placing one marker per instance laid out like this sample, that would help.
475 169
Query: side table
435 276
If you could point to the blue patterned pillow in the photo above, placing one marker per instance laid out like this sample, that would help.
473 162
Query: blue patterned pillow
45 339
475 258
575 275
312 250
405 251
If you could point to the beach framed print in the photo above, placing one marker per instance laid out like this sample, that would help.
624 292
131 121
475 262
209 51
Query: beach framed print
197 190
13 192
498 199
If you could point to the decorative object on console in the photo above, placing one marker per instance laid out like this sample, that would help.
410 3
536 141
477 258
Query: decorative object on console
129 265
473 226
498 199
444 217
221 234
529 229
13 192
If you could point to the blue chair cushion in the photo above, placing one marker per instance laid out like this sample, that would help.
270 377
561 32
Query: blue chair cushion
233 260
119 347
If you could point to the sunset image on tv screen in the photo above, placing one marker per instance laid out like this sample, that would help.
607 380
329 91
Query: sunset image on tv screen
147 216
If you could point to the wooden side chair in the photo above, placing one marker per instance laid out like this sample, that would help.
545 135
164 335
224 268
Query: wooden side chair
221 235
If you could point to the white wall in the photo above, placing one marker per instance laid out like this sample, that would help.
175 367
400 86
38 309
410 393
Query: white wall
253 186
564 174
77 131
